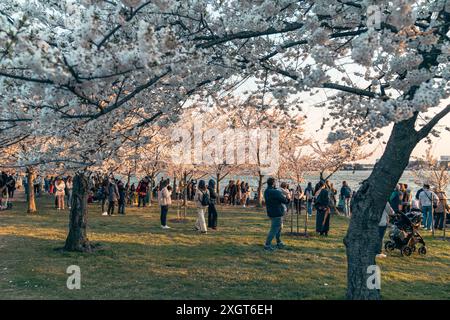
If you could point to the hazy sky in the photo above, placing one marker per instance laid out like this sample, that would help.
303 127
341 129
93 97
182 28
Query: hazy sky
441 145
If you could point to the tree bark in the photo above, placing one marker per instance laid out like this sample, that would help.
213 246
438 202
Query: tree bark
367 207
218 185
174 193
31 199
77 239
260 195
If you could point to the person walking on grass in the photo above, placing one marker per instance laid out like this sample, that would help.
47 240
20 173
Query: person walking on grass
275 202
164 201
202 201
309 195
113 196
345 196
382 226
212 211
69 188
122 196
322 203
441 209
60 187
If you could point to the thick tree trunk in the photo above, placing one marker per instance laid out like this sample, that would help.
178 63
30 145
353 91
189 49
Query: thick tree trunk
367 207
260 194
31 199
77 238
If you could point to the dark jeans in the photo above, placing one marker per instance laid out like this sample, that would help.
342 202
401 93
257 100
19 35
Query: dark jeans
142 200
212 216
233 199
438 220
103 204
11 193
164 210
111 205
297 203
37 190
275 230
381 232
122 207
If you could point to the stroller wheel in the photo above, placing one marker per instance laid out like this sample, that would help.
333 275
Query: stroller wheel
423 250
389 246
406 251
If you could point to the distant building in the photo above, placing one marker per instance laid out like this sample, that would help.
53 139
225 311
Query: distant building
445 161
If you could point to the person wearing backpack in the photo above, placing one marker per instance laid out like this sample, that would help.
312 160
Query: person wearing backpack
212 212
309 194
202 200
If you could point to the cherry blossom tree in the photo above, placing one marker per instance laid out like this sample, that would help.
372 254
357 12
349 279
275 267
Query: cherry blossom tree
330 158
80 64
430 170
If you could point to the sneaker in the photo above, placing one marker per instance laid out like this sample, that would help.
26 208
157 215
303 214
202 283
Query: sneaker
268 248
281 245
203 232
165 227
381 255
104 213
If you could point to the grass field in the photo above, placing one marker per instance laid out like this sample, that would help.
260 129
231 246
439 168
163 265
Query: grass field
139 260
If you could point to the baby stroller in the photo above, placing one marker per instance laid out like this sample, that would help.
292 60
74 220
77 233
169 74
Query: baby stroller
405 235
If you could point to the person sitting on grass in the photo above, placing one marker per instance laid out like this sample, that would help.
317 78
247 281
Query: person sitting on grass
274 200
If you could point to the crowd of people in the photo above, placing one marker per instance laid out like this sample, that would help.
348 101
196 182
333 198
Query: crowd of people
432 203
280 201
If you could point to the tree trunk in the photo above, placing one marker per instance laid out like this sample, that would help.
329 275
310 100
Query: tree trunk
31 199
218 185
185 190
260 194
367 206
174 193
77 238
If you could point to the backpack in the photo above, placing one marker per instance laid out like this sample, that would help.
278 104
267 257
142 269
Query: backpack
205 199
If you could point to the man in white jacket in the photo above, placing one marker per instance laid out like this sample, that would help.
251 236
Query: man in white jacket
164 200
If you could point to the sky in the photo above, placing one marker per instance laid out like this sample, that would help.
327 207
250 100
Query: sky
440 146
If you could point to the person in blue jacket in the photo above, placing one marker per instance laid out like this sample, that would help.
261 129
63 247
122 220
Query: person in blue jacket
274 199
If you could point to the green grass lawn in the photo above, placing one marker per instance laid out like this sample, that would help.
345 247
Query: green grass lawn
139 260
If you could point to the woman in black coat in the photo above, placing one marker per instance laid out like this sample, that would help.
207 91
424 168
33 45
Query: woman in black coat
212 212
322 204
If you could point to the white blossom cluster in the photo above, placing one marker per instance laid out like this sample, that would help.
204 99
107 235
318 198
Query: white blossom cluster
91 72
